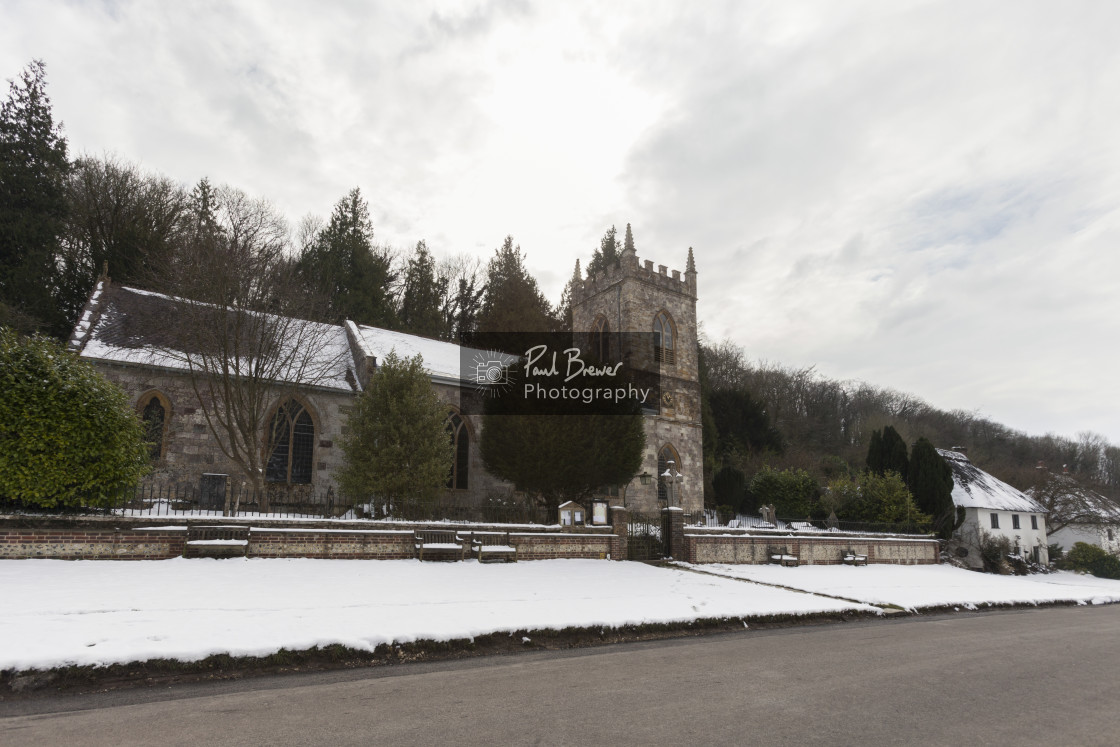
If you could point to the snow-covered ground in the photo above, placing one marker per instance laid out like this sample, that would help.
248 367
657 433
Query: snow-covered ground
57 612
917 587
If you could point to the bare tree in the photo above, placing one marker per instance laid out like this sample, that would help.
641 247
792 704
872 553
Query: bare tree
1070 502
241 326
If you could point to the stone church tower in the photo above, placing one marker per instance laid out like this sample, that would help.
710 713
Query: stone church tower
632 297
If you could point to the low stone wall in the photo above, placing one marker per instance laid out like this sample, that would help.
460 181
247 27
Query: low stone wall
91 540
91 544
809 549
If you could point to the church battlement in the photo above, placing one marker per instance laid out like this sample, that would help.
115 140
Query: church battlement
629 266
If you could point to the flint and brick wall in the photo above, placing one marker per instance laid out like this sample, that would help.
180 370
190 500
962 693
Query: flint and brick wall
156 543
810 550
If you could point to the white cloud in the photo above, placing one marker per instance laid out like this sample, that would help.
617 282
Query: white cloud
919 194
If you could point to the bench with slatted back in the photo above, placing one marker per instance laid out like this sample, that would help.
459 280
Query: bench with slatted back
781 556
439 544
493 546
216 542
851 557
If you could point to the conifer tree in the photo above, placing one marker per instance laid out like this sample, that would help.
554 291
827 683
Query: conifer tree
33 170
397 452
606 256
513 302
930 480
422 296
343 264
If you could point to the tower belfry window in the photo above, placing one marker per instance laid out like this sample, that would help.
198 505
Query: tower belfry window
664 346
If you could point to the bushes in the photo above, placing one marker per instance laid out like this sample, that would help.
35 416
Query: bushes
68 437
1092 559
793 492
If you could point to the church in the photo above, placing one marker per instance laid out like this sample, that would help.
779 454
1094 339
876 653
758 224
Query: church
629 300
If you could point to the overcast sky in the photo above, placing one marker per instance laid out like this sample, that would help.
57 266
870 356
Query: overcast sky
921 195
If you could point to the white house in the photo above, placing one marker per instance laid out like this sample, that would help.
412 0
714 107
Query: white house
995 509
1092 518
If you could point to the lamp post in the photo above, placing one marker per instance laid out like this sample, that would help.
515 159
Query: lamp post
671 479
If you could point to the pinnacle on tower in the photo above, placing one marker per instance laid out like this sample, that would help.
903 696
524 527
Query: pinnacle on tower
577 276
691 265
628 243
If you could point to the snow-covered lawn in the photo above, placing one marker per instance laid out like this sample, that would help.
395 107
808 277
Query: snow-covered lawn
915 587
57 612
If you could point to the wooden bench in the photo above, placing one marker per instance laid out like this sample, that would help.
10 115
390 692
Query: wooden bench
781 556
850 557
439 544
492 546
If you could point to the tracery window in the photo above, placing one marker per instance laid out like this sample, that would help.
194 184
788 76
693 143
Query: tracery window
154 411
667 454
292 438
460 443
601 339
664 344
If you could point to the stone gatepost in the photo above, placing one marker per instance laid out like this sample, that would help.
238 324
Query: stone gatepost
620 524
672 532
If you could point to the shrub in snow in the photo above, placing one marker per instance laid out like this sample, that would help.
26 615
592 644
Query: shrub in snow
69 437
1094 560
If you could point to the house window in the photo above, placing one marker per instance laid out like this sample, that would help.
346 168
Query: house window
1014 521
460 444
666 455
291 439
995 521
154 409
1034 522
664 346
601 340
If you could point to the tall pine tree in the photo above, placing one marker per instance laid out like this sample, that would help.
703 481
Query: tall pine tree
420 312
513 302
343 264
33 171
606 256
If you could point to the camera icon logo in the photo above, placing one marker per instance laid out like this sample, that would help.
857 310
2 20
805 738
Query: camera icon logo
490 372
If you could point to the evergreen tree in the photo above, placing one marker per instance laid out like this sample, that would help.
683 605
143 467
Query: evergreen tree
606 256
742 423
887 453
729 488
792 492
343 264
874 498
513 302
930 480
71 438
33 170
397 454
463 309
421 310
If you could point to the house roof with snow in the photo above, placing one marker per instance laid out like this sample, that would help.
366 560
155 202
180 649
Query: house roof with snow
132 326
1077 500
975 488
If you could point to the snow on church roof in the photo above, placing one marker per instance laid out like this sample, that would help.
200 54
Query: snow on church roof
448 362
129 325
975 488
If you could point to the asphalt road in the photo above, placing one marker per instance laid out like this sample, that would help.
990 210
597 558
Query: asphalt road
1048 676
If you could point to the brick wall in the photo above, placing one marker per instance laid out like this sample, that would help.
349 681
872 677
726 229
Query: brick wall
81 541
810 550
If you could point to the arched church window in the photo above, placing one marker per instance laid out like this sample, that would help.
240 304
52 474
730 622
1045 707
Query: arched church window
291 444
155 411
666 455
460 444
664 350
601 339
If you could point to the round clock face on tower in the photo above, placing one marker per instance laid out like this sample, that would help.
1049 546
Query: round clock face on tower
667 399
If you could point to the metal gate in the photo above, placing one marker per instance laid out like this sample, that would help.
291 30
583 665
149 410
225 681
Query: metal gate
645 540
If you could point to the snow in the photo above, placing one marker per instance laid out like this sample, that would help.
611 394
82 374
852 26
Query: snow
922 586
975 488
58 612
445 361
